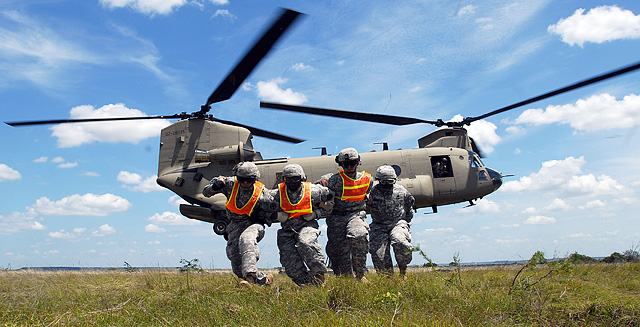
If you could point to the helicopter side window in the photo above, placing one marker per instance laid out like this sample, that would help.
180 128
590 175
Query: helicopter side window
441 167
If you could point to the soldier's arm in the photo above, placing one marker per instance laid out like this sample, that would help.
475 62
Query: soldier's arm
409 201
322 199
217 185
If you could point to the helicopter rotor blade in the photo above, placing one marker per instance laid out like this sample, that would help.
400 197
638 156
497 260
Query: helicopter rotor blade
376 118
259 50
261 132
567 88
85 120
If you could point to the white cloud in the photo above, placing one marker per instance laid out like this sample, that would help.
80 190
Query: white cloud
147 7
483 206
71 135
79 230
482 132
598 25
19 222
530 211
103 231
62 234
224 13
57 160
151 228
466 10
171 218
176 200
598 112
68 165
271 91
564 176
594 205
81 205
146 185
557 205
41 159
300 66
8 174
540 220
220 2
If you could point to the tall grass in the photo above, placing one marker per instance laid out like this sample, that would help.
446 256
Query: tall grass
576 295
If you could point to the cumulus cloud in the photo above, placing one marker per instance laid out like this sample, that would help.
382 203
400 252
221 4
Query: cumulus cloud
147 7
171 218
271 91
483 206
597 112
594 205
151 228
565 176
482 132
20 222
223 13
136 183
540 220
598 25
557 205
41 159
71 135
103 230
8 174
81 205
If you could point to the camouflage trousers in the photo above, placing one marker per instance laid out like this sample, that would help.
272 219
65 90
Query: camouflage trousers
348 244
386 236
242 249
300 253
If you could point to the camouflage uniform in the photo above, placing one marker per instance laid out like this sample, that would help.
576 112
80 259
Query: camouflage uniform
300 252
244 231
391 213
347 232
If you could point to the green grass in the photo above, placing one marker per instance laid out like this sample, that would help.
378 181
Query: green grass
576 295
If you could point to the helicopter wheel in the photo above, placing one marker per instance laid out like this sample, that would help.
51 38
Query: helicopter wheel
220 227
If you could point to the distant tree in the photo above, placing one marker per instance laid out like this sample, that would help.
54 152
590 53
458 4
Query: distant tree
576 258
615 257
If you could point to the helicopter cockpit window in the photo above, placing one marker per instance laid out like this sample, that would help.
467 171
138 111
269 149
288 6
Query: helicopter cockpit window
441 167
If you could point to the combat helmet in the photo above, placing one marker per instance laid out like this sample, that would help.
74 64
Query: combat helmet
386 172
247 170
292 170
348 154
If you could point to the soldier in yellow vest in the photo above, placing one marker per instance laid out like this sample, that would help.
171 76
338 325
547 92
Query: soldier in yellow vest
301 204
347 228
247 206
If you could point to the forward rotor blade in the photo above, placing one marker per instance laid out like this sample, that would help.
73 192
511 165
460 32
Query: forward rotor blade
261 132
568 88
376 118
84 120
260 49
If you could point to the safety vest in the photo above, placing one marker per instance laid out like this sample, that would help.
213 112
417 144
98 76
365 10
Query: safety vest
247 209
354 189
303 206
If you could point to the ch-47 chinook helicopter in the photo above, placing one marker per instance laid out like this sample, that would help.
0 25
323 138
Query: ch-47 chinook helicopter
200 147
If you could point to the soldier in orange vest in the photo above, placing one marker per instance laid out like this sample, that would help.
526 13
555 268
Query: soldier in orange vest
301 204
347 228
247 206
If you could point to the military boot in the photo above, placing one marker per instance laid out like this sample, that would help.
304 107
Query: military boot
319 279
249 279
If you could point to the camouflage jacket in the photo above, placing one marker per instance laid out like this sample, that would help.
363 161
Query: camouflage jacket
389 206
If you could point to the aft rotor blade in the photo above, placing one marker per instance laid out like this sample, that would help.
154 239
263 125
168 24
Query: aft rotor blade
568 88
261 132
260 49
376 118
85 120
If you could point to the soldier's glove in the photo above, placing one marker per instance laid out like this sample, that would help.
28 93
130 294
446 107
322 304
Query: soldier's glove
310 216
217 184
282 216
327 205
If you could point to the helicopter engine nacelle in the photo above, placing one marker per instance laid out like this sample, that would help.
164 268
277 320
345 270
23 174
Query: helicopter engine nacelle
422 189
237 153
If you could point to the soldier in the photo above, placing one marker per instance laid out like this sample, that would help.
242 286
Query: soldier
390 206
246 207
347 228
301 204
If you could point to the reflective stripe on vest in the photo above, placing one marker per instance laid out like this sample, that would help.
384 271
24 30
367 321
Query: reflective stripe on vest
247 209
303 206
354 189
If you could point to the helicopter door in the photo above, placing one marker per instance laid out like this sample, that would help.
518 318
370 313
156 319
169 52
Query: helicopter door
442 171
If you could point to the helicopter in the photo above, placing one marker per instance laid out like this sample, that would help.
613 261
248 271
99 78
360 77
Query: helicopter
199 147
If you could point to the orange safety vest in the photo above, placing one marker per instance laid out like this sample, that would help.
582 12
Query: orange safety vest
354 189
303 206
246 209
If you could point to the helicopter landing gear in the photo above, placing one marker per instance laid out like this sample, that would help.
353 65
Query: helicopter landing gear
220 227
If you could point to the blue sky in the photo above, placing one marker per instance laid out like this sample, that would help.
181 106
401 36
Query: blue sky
85 195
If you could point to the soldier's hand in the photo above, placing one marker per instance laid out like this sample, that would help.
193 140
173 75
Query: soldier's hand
217 184
310 216
327 205
282 216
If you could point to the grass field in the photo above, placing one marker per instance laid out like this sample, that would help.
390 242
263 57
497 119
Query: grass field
549 294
